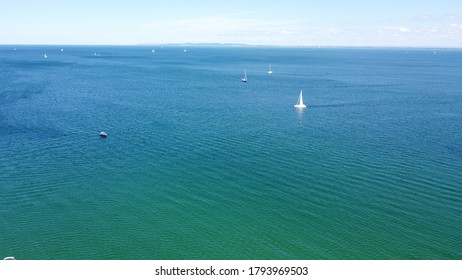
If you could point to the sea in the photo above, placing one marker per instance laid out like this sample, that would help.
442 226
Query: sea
198 165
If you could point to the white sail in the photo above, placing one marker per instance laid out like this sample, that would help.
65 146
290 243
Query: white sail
244 80
269 70
300 103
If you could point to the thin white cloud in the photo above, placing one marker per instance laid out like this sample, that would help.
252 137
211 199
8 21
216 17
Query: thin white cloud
247 28
220 29
453 16
288 32
396 30
326 31
426 18
432 30
455 28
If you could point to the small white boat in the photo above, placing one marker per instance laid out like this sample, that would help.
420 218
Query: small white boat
45 56
300 104
153 51
103 134
269 70
244 80
62 50
9 259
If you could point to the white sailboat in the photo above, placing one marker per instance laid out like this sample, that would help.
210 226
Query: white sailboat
45 56
300 104
244 80
269 70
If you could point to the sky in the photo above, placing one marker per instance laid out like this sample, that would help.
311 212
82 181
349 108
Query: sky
390 23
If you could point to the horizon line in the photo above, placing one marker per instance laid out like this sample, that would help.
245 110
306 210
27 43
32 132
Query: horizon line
237 45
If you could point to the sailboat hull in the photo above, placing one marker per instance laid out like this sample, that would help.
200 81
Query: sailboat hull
300 106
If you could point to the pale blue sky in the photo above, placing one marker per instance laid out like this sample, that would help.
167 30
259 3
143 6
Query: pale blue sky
290 22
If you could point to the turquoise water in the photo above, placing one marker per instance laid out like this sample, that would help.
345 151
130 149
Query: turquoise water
198 165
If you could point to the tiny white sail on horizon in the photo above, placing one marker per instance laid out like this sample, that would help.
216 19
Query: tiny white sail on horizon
300 104
244 80
270 71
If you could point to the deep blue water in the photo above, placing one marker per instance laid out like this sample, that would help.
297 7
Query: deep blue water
198 165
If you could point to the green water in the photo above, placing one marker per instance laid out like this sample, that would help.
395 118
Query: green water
198 165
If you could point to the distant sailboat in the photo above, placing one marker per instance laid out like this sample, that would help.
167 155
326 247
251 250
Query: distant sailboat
62 50
300 104
45 56
244 80
269 70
